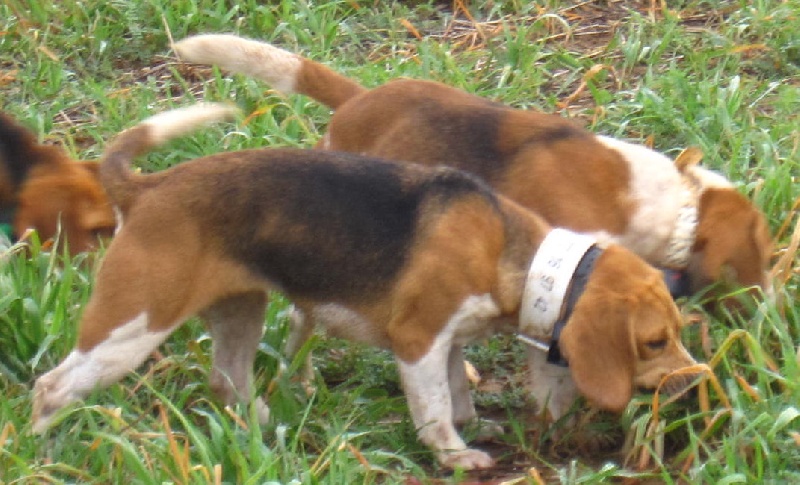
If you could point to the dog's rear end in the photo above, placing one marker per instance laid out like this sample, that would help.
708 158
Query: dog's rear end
114 339
319 227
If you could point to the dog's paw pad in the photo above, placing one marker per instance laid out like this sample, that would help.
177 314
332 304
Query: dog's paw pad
468 459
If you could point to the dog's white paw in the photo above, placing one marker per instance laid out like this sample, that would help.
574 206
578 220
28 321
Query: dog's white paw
468 459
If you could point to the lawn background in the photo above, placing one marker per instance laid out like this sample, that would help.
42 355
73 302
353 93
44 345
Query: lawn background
721 75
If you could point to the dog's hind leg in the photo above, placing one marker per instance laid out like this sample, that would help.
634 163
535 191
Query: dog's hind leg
236 324
463 407
122 324
135 305
464 414
301 328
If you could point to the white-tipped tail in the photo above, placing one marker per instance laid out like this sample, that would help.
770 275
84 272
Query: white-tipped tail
181 121
115 174
256 59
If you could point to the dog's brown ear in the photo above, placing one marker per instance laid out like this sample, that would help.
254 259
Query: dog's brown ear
688 157
732 233
598 345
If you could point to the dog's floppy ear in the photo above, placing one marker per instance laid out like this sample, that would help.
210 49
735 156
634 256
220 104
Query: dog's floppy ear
732 236
598 345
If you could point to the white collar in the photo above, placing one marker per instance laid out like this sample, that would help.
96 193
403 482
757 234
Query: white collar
548 280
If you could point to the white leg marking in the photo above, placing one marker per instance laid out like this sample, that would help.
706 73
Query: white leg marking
428 390
119 218
769 288
81 372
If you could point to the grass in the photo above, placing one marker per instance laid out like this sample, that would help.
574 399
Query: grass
721 75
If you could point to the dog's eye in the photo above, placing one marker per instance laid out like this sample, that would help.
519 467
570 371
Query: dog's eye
656 344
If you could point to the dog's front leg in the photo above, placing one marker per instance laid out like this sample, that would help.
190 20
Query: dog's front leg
105 363
463 406
550 385
429 400
236 325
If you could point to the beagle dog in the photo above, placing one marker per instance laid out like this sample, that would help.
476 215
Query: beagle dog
43 189
417 259
687 220
683 218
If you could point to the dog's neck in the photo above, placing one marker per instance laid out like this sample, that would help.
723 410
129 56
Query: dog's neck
678 249
556 279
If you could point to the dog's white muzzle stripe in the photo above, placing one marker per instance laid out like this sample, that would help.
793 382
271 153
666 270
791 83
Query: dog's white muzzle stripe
548 280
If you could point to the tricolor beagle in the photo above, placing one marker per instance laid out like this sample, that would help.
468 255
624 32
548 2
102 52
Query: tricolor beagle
420 260
41 188
678 217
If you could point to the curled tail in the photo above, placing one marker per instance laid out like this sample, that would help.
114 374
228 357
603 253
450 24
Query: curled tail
283 70
115 173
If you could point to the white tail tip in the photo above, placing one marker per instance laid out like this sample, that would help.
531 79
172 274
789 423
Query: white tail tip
177 122
252 58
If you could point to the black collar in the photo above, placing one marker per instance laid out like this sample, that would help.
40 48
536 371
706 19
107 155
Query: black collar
578 285
677 282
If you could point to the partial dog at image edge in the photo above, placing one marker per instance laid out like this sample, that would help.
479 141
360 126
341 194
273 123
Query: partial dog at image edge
43 189
415 259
